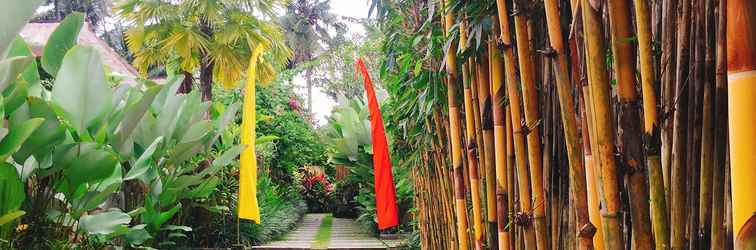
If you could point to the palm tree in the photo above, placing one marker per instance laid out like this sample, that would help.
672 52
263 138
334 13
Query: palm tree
211 36
306 27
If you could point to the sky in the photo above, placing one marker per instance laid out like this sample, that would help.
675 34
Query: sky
322 104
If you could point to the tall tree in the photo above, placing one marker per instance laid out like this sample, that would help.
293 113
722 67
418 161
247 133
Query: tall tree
214 37
306 27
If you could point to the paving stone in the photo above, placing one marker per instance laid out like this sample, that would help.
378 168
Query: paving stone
346 234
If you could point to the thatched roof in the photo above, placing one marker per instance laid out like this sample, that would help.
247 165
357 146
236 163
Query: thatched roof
36 35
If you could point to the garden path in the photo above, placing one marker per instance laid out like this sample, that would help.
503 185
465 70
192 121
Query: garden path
341 234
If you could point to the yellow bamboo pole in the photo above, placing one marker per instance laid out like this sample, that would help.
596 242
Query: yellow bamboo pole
531 131
472 158
598 82
484 101
497 92
455 138
741 76
515 108
658 203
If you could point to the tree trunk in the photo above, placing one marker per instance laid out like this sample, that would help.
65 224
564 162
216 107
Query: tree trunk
206 81
186 84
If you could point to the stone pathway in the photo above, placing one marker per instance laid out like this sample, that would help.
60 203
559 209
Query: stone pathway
346 234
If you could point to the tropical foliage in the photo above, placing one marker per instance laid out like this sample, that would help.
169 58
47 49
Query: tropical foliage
347 135
215 37
95 160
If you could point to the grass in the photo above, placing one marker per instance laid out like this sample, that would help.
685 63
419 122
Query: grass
323 236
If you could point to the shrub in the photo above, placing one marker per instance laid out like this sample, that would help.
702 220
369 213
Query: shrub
317 191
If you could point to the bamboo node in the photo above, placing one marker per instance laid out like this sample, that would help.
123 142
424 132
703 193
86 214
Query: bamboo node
587 230
548 52
523 219
472 147
527 128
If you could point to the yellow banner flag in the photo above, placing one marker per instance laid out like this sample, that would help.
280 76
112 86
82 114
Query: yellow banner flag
248 208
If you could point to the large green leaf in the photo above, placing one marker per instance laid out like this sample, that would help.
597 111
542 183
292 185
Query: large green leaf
31 73
172 84
11 189
168 117
11 216
16 137
134 114
44 138
204 189
15 96
153 214
61 40
143 163
94 198
228 156
265 139
11 68
13 17
137 235
91 166
104 223
226 118
80 89
196 131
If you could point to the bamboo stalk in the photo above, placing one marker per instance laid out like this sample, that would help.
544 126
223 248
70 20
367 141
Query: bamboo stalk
678 188
489 141
598 82
485 140
523 179
511 188
668 64
630 144
695 121
455 138
741 74
585 230
472 158
658 202
531 130
490 170
707 134
580 82
497 94
720 137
